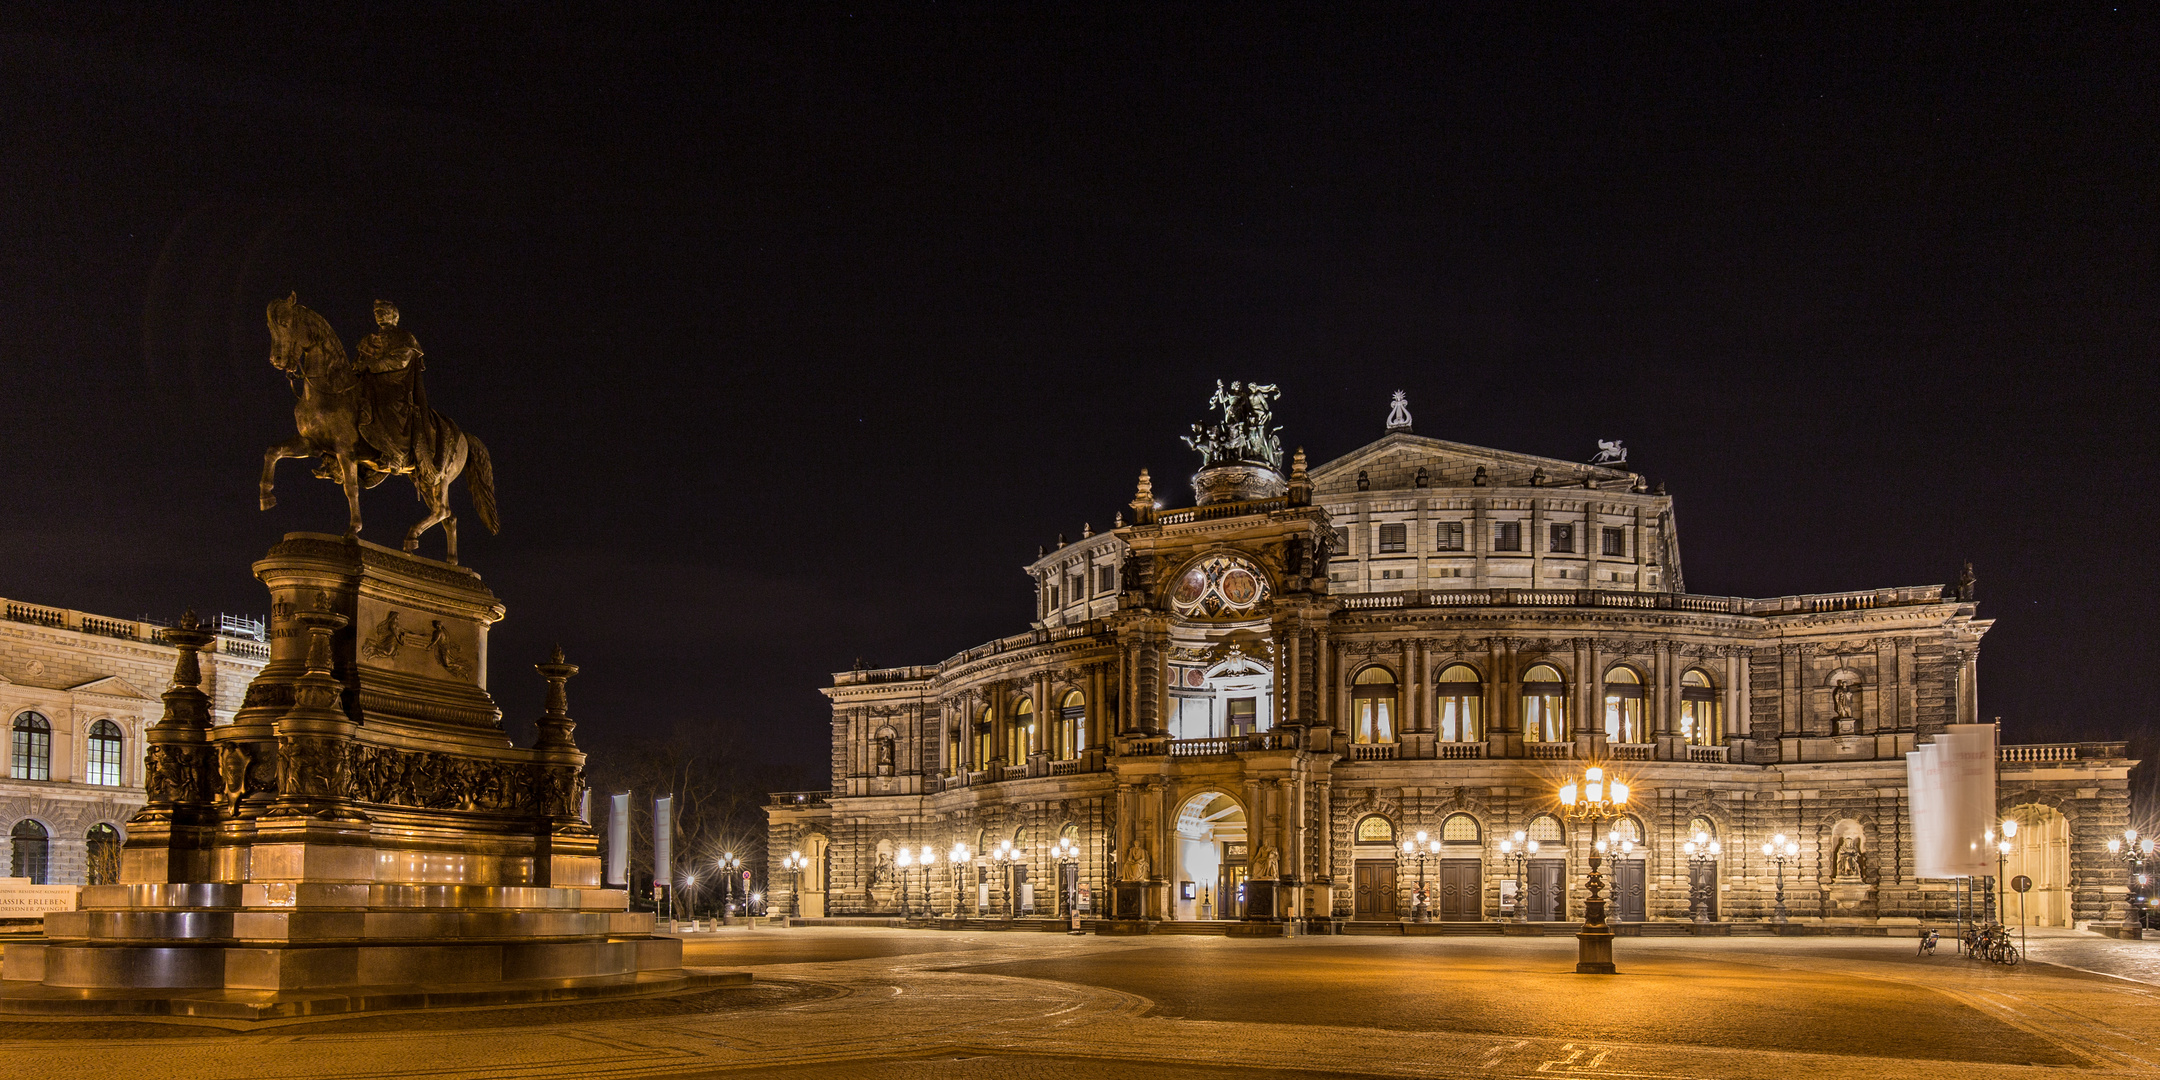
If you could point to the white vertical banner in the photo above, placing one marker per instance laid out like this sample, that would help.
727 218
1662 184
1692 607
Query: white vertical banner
663 843
1969 776
1951 792
584 806
618 840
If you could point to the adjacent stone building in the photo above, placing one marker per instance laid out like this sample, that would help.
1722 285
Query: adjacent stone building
76 692
1247 707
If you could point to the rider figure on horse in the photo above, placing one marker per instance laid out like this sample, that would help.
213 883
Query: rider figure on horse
393 404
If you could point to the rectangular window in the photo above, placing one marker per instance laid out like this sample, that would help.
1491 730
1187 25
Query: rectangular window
1076 587
1447 536
1507 536
1563 538
1616 542
1106 579
1053 600
1393 538
1342 540
104 762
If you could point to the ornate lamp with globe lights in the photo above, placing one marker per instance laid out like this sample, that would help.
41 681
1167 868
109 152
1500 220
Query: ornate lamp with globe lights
957 858
1702 853
1421 849
794 864
1519 848
1065 853
903 861
728 864
2133 853
1781 851
1591 800
1007 858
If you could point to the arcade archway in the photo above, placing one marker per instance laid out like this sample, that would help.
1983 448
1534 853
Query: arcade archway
2040 851
1208 858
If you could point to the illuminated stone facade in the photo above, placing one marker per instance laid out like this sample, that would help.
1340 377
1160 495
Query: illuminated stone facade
76 692
1243 708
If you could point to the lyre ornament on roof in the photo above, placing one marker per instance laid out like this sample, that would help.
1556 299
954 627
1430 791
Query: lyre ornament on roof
1398 417
1610 452
1242 434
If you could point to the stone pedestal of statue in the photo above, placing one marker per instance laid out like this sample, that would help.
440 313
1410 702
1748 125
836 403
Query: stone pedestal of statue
364 821
1851 898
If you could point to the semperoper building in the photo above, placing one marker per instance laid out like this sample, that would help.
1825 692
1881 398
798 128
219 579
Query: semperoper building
1243 708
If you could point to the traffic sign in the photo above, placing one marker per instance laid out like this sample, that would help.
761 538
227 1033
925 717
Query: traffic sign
2021 883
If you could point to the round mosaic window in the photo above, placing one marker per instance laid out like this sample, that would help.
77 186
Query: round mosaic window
1219 585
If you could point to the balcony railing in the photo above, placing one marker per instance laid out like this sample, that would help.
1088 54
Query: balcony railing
1706 754
1549 751
801 799
236 636
1372 751
1459 751
1614 598
1633 752
2041 753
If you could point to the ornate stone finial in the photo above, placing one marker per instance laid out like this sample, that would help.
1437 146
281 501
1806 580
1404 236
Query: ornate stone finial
1537 478
1143 500
1300 483
555 724
1118 520
177 758
1479 479
189 620
1061 540
1398 417
1086 530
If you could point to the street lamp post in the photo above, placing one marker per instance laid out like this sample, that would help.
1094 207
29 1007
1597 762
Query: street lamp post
794 864
957 858
904 861
1421 849
2133 853
1781 851
1008 858
728 863
1590 801
1702 853
1067 855
1519 848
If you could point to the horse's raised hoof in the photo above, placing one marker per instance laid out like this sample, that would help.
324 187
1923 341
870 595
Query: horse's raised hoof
269 501
412 545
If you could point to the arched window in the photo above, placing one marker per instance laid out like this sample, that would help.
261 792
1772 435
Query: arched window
1020 732
1702 825
1462 700
1702 715
1459 827
1625 827
1374 829
1624 706
1544 704
28 844
102 846
104 754
32 759
1072 727
984 729
1372 705
1545 829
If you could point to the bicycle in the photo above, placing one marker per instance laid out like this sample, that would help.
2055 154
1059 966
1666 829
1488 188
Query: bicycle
1991 942
1927 943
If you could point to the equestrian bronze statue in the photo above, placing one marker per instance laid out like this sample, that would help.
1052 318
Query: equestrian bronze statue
369 420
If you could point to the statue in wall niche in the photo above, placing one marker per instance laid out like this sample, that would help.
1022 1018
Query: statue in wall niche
1846 858
1270 866
1845 699
885 755
1139 866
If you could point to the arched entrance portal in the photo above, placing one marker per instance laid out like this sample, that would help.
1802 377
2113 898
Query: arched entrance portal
2040 851
1209 858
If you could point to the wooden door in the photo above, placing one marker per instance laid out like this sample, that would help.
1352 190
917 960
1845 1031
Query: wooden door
1702 882
1462 894
1627 890
1547 881
1374 891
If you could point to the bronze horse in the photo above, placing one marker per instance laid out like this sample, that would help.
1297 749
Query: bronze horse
327 414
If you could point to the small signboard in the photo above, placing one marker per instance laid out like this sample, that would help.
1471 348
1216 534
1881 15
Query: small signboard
19 899
2021 883
1087 899
1507 895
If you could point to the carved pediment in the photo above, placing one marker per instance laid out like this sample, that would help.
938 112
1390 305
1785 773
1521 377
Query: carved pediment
1392 463
112 686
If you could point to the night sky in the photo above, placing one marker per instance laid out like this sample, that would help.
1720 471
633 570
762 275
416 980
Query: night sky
793 335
